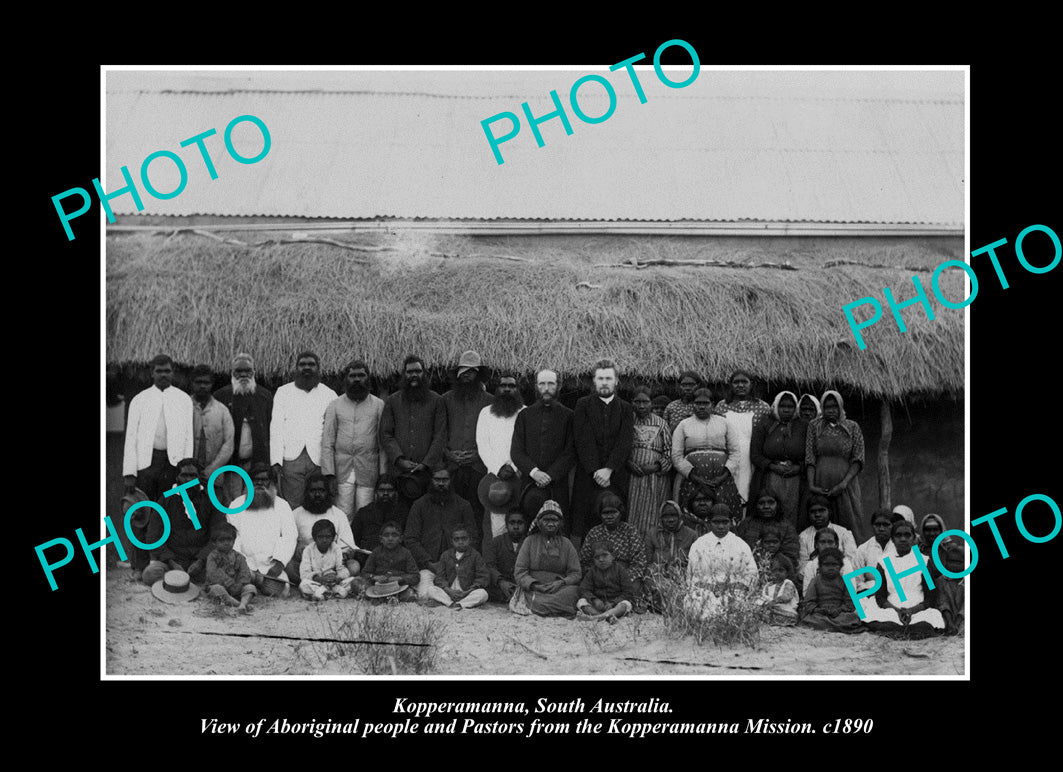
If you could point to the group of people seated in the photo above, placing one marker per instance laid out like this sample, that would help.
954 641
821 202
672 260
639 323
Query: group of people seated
594 513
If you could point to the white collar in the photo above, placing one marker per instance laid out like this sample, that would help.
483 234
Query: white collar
611 398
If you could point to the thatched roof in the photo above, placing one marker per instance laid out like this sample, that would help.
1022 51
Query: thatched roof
201 301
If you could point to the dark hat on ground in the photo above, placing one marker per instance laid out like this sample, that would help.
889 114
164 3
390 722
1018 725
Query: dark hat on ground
175 587
496 494
411 485
384 589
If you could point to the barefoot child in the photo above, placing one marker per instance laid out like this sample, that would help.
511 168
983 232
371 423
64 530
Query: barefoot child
461 574
606 590
228 576
780 595
827 604
322 572
392 562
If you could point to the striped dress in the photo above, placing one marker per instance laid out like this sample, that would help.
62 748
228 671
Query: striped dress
652 444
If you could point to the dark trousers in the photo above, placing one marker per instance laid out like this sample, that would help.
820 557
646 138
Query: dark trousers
465 481
155 480
585 493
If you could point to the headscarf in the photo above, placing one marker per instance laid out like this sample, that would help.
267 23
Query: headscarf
548 506
667 506
843 423
906 512
922 524
778 399
819 408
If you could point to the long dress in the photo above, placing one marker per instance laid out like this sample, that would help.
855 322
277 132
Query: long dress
742 416
708 447
546 560
827 605
646 494
775 442
885 619
831 448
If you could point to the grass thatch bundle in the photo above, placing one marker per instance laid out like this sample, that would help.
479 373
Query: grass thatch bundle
201 301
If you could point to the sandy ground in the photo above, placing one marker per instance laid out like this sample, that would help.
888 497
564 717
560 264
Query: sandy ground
146 636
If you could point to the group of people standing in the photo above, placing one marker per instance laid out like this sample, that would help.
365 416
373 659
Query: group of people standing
429 496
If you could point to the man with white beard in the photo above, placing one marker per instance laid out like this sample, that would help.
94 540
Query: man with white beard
266 534
251 407
494 438
296 428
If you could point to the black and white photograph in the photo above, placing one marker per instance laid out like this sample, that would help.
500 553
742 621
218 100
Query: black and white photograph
539 396
554 380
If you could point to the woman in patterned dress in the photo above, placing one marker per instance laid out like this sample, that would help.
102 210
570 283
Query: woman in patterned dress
743 411
834 456
705 453
650 465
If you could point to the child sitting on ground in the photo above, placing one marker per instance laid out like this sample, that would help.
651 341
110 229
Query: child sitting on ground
392 562
780 595
828 605
461 574
228 576
606 590
825 537
322 572
768 546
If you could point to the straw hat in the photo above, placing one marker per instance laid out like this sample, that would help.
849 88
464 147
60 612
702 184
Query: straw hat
175 587
384 589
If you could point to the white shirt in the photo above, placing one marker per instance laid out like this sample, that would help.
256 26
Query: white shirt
494 437
304 523
714 560
807 538
264 535
298 417
171 405
869 554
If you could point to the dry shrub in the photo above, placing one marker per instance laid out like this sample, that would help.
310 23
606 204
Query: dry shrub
386 639
736 617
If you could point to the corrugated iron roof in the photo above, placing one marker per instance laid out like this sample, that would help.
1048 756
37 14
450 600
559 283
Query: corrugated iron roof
732 146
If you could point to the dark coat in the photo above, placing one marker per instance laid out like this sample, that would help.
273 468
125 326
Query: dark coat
257 408
415 431
186 543
471 571
501 558
429 526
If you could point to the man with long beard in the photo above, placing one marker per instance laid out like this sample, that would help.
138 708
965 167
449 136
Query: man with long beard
317 505
251 407
350 449
604 428
464 403
543 446
413 428
494 440
432 520
295 431
266 534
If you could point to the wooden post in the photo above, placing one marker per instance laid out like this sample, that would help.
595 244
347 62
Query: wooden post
885 496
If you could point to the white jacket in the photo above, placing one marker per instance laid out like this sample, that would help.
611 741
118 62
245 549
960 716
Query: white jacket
140 427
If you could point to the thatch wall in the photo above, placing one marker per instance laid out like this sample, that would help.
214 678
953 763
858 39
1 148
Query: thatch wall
200 301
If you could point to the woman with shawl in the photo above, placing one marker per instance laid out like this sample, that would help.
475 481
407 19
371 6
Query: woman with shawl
808 407
650 464
834 456
705 453
777 451
625 542
768 514
547 570
743 411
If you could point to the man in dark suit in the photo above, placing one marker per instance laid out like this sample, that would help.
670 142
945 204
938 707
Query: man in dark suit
604 427
543 447
251 406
